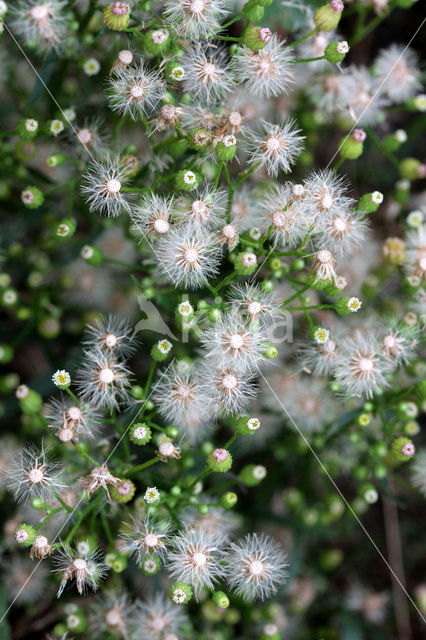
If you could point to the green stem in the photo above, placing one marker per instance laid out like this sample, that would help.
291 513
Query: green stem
230 441
225 281
228 24
378 143
47 518
339 163
308 35
149 378
106 527
230 38
64 504
294 296
307 59
207 471
80 519
142 466
246 175
218 172
314 306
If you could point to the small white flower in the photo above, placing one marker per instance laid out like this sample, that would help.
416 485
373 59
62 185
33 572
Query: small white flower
420 102
91 67
354 304
164 346
151 495
185 309
321 335
415 219
61 378
31 125
342 47
253 424
377 197
56 127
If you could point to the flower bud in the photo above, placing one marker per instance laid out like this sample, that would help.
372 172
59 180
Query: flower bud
140 433
31 403
253 12
226 148
327 17
409 168
229 500
117 16
370 202
25 535
187 180
174 72
252 474
180 593
219 460
199 139
123 492
65 229
161 350
336 51
156 41
351 147
27 128
55 160
151 564
402 450
255 38
246 426
245 263
32 197
220 599
92 255
345 305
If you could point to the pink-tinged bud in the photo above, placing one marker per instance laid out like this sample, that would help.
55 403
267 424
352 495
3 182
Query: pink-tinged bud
27 197
265 34
408 449
359 135
220 454
119 8
337 5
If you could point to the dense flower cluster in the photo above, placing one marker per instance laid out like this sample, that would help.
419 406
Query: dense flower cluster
208 284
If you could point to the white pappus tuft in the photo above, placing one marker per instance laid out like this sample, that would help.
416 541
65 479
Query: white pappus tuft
86 569
182 401
361 366
135 91
102 187
146 537
41 22
195 19
265 73
203 207
188 256
103 381
274 146
195 557
32 475
152 216
157 619
72 420
255 567
112 334
234 343
207 76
